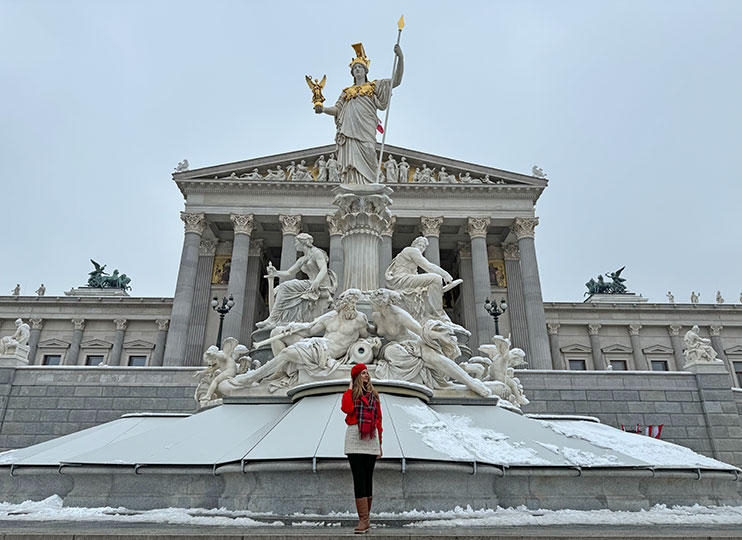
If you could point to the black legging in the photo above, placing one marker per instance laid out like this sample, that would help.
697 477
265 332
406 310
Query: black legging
362 467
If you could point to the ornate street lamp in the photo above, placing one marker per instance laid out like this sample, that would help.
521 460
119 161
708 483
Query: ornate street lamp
222 311
495 311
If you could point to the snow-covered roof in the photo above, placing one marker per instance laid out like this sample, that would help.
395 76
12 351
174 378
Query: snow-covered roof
313 428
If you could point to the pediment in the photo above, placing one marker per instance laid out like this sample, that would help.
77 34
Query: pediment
737 349
139 344
617 348
96 344
576 348
56 343
240 171
657 349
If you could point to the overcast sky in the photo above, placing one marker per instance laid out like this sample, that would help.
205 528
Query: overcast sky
631 107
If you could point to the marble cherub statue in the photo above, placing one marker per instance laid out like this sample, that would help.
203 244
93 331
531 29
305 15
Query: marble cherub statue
356 118
221 365
500 363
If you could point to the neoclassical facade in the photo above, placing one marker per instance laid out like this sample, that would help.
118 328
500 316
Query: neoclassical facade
480 223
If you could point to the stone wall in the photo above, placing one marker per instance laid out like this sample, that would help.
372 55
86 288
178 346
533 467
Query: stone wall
698 410
40 403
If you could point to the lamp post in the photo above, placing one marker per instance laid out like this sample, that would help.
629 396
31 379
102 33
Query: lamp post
222 311
495 310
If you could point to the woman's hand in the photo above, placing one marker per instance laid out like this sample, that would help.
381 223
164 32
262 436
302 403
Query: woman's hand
381 453
350 386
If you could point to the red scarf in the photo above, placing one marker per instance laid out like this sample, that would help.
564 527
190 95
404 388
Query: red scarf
366 413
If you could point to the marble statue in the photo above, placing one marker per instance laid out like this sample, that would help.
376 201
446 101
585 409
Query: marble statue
275 174
302 174
391 170
719 298
325 342
221 365
41 291
670 297
404 171
697 349
426 174
291 171
333 169
321 165
427 359
422 292
538 172
9 344
465 178
499 365
486 179
694 297
16 291
253 175
182 166
302 300
356 118
416 175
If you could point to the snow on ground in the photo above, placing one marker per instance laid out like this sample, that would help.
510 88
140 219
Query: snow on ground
456 437
51 509
658 453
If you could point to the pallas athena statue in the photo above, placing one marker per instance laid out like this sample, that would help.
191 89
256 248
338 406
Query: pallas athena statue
356 119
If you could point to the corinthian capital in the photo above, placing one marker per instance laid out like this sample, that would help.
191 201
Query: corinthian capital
193 222
431 226
634 329
120 324
388 229
464 249
552 328
37 324
242 223
715 329
525 227
290 224
79 324
674 329
257 246
207 247
162 324
511 252
594 329
333 225
477 227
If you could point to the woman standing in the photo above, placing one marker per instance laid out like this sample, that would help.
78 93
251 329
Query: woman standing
362 438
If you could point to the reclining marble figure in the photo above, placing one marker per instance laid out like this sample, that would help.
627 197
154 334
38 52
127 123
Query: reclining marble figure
9 344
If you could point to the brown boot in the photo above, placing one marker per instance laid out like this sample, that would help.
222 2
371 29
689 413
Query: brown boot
362 508
369 499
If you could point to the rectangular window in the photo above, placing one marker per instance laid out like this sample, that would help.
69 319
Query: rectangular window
577 365
659 365
94 359
618 365
52 359
738 373
137 360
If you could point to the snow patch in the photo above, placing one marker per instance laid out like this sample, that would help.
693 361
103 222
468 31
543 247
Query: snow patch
652 451
582 458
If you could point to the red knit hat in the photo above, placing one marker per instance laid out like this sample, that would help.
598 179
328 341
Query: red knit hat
356 370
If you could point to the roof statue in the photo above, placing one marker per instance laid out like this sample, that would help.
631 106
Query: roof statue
99 279
600 286
356 118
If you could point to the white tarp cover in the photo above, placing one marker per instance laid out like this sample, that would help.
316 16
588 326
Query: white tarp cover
314 427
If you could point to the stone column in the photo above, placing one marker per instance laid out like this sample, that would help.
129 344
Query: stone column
72 358
200 307
598 361
538 340
516 302
180 318
33 339
640 360
252 289
118 342
468 314
243 226
556 353
477 229
715 334
431 229
336 249
290 227
159 352
363 212
677 345
385 253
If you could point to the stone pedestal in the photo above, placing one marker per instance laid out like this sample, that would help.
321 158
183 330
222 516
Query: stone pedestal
19 357
362 215
628 298
95 291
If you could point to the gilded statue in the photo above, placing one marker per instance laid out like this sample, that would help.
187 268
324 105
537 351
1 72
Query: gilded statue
316 87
